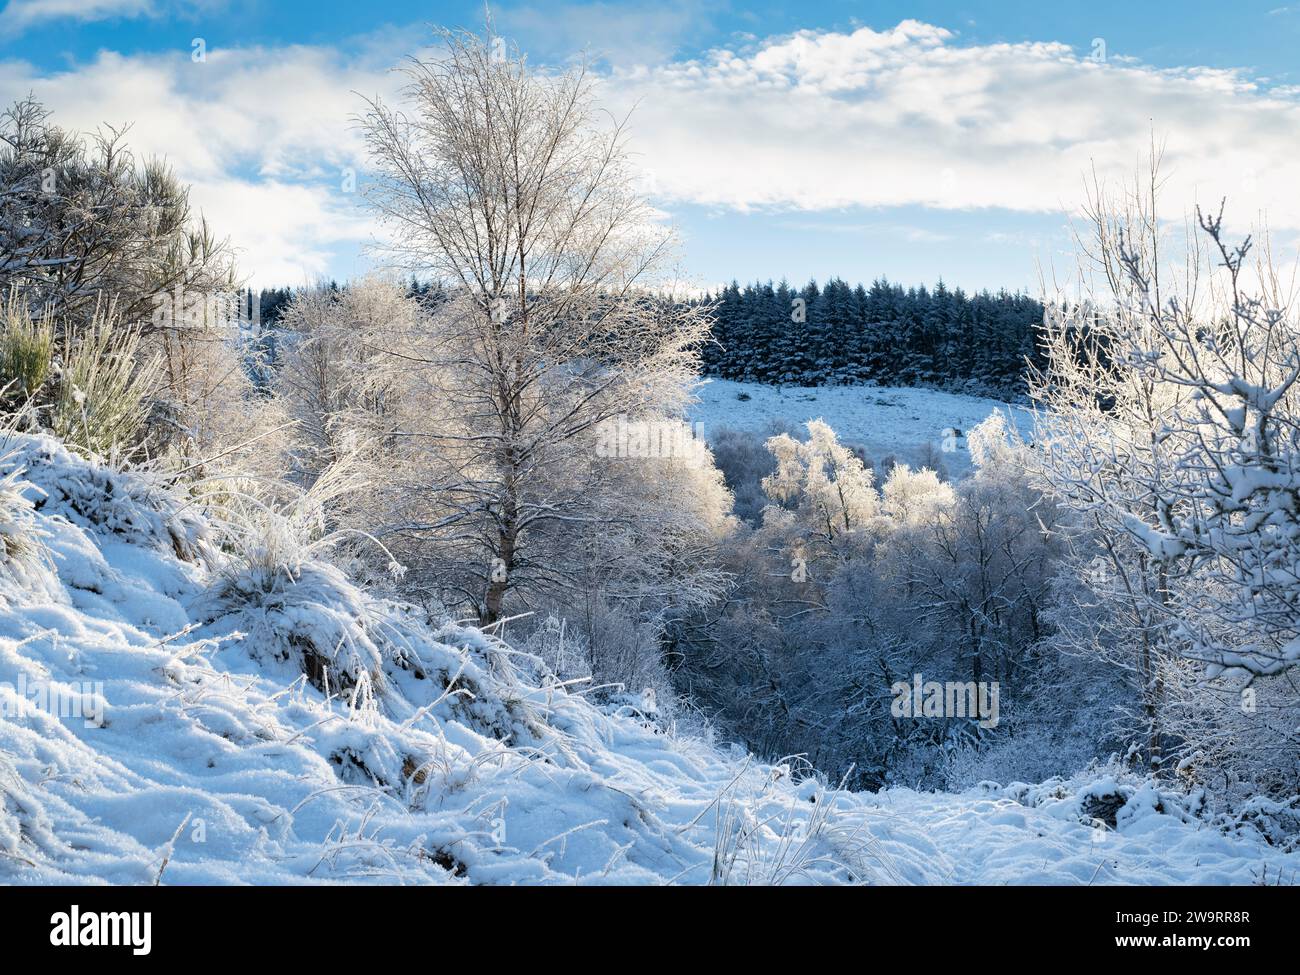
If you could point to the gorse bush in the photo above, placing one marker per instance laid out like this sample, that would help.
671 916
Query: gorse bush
26 349
120 229
104 385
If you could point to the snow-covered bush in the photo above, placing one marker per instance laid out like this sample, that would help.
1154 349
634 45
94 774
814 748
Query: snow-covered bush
300 618
1277 822
1169 428
141 506
104 382
272 579
1107 796
26 349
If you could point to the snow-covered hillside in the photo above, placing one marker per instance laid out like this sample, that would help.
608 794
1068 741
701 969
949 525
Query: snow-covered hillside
172 713
886 420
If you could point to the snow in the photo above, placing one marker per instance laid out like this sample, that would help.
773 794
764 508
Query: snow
424 751
883 419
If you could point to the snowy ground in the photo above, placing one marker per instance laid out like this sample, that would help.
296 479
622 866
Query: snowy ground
191 747
883 419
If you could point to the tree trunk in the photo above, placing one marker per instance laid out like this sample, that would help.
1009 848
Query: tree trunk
499 574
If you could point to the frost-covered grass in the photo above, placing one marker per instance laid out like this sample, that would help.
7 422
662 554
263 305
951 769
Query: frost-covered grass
21 548
19 538
103 387
430 752
26 348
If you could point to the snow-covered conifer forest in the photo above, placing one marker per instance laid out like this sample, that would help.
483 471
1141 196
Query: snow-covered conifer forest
523 556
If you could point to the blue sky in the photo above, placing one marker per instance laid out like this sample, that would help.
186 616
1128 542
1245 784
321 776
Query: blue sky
913 140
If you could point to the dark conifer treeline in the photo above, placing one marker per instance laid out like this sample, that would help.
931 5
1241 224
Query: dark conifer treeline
885 333
817 336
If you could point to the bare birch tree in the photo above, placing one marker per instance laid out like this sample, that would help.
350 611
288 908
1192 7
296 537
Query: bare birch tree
498 182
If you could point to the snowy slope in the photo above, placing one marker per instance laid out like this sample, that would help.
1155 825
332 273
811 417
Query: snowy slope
883 419
427 752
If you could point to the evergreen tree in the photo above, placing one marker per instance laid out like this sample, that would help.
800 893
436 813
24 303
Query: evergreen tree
885 334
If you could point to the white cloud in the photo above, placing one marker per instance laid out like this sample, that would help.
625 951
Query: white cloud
912 234
907 116
285 233
812 122
18 15
263 135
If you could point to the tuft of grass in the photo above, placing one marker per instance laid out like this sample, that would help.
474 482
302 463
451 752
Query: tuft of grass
21 545
102 402
26 349
797 844
269 541
18 543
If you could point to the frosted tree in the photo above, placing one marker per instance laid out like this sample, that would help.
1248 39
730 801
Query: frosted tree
1168 427
1098 434
822 493
333 376
979 557
1228 506
499 183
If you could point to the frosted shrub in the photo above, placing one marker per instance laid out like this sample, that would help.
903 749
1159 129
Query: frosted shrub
210 418
269 539
561 648
273 585
625 652
102 404
137 505
311 619
916 498
26 349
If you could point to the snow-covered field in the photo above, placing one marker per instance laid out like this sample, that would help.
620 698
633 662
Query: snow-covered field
883 419
159 725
